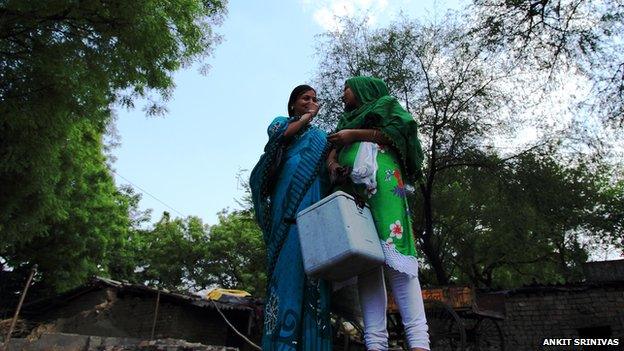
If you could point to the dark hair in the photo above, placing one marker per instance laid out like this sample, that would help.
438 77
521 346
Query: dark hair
300 89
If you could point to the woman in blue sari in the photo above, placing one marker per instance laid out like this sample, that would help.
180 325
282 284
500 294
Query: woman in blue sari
286 180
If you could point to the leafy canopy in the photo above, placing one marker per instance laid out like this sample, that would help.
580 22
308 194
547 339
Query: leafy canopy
64 65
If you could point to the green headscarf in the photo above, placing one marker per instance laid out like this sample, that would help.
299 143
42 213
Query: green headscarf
379 110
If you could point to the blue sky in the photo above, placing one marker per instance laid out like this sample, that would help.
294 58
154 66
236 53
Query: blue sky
216 123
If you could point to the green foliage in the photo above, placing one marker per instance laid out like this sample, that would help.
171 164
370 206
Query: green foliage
530 220
63 66
237 253
185 254
64 61
172 254
90 216
123 257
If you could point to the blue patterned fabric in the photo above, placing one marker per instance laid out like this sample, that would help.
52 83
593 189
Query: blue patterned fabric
296 313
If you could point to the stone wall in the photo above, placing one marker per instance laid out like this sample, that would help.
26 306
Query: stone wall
74 342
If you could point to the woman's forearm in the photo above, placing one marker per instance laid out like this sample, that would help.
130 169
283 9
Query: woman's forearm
372 135
332 158
348 136
296 126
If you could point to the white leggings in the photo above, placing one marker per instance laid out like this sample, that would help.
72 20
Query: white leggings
374 301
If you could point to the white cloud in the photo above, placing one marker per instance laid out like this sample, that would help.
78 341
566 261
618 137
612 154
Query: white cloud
377 12
327 12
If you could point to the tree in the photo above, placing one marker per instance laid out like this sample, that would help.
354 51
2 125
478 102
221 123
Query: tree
237 253
172 254
63 66
125 254
451 87
91 218
531 220
185 254
63 63
562 37
467 98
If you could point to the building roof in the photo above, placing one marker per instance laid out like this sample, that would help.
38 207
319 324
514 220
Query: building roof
567 287
98 283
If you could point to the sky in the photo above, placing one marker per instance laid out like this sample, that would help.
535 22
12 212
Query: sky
186 162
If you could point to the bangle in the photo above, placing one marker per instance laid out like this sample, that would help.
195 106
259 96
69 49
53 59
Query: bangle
374 134
330 163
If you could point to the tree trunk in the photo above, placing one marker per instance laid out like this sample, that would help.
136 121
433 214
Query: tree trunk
429 248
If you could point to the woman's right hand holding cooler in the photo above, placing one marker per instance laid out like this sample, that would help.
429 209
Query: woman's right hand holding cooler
338 173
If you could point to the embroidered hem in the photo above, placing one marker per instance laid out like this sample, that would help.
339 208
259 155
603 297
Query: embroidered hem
398 261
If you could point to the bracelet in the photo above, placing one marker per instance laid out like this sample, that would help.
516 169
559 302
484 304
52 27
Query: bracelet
330 163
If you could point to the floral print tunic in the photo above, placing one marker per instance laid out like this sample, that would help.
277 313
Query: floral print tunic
388 204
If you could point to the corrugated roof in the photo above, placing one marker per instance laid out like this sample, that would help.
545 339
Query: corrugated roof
191 299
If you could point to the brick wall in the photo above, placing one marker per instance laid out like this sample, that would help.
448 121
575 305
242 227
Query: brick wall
533 314
604 271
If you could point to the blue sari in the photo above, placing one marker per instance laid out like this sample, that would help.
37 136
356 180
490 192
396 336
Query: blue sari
286 180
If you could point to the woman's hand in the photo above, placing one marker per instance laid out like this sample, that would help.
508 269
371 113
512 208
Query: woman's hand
343 137
304 120
332 167
311 112
313 108
338 174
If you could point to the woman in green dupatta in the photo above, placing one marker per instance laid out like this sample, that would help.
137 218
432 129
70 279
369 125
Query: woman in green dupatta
377 142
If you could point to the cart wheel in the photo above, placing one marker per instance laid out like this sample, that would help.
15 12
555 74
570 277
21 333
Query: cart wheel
446 330
489 336
396 333
346 334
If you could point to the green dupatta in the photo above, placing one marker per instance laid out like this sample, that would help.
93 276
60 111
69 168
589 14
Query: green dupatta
379 110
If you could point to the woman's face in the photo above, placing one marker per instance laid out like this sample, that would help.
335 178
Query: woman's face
349 99
306 102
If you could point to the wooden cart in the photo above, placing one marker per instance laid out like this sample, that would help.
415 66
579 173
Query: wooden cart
457 319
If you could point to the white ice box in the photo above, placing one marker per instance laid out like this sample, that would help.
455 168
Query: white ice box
338 238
